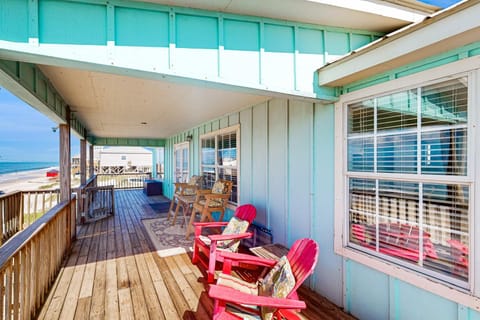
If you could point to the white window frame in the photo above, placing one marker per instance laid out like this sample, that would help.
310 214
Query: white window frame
470 67
236 129
181 146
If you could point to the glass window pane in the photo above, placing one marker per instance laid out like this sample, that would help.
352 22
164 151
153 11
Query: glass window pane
360 117
445 103
397 111
208 151
444 152
360 154
230 174
446 221
397 153
227 149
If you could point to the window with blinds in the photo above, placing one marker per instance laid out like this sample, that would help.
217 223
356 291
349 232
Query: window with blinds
219 158
180 159
407 180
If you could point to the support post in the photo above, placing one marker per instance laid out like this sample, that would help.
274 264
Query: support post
154 162
91 163
65 174
83 161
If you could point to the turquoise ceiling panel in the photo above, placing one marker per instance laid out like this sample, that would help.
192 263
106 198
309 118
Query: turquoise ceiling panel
137 27
72 23
14 20
279 38
196 32
310 41
241 35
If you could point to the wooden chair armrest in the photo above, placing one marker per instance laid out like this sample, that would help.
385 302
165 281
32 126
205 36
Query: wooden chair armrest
216 196
247 259
180 184
200 225
221 237
203 191
210 224
232 295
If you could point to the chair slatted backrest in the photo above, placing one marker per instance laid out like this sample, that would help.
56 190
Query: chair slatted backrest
302 257
246 212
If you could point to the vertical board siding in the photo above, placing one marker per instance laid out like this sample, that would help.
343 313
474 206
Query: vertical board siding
359 286
277 178
259 149
300 152
327 283
246 165
278 172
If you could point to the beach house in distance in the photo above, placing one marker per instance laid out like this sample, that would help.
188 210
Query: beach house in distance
354 123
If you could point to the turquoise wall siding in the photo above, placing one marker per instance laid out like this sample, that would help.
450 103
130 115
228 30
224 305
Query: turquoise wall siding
121 36
286 161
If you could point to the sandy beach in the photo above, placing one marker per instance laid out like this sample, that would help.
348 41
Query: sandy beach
27 180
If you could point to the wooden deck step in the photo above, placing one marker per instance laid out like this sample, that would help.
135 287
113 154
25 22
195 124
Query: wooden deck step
114 272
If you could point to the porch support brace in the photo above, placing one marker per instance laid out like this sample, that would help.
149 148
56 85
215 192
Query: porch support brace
91 168
83 161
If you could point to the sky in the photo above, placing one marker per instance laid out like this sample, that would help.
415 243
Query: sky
27 135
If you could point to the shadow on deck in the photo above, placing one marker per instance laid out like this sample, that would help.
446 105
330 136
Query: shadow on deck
114 272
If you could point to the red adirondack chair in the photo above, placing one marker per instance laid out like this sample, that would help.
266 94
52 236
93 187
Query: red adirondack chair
302 258
210 245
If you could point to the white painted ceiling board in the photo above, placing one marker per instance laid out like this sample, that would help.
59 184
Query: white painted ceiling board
115 105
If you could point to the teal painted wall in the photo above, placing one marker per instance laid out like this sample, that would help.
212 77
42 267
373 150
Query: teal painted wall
286 161
120 36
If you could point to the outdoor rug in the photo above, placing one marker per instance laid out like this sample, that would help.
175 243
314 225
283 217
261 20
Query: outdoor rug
167 239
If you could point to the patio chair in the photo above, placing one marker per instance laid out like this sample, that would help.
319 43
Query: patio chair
273 296
206 248
183 189
209 201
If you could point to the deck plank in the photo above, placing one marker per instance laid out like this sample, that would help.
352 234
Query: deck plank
114 272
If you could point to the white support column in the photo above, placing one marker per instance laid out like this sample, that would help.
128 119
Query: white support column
83 161
65 174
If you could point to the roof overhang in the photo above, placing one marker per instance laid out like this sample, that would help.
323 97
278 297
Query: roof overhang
451 28
373 15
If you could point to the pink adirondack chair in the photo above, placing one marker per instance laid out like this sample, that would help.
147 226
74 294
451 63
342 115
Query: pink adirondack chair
210 245
302 258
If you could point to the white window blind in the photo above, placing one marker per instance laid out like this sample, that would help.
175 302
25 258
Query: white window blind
396 143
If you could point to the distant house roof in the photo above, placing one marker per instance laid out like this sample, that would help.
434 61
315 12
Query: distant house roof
126 150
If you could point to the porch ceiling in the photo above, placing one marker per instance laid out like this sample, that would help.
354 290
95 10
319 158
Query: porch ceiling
112 105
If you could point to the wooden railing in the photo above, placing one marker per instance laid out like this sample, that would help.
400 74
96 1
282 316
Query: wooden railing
30 261
124 180
36 203
98 203
20 209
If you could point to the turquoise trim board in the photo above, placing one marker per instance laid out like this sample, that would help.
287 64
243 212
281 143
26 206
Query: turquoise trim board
138 142
252 53
464 52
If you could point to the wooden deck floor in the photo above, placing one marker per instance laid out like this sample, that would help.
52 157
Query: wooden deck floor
113 272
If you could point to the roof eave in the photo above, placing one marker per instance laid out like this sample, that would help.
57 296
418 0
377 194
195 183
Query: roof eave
451 28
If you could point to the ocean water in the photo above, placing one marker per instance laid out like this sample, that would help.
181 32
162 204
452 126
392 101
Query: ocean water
10 167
